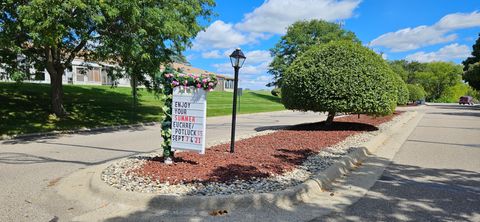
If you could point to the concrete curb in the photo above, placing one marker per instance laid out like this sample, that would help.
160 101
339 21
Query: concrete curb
79 131
86 185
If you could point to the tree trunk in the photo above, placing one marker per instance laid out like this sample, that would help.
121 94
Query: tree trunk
330 117
134 91
57 93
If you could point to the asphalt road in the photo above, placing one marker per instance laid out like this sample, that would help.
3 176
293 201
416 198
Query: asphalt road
30 168
435 176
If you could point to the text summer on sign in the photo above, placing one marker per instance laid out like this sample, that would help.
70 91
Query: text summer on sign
189 119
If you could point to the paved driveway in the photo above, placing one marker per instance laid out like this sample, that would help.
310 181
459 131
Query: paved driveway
29 168
435 176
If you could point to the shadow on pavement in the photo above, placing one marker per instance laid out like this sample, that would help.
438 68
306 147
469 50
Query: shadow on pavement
443 143
474 114
403 193
24 158
40 138
411 193
455 106
449 127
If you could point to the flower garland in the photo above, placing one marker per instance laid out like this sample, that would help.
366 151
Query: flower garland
171 79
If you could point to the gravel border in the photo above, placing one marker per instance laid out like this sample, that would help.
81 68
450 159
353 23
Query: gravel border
119 174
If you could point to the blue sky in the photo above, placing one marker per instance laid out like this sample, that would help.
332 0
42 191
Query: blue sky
421 30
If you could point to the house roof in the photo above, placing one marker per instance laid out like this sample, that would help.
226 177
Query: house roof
197 71
186 68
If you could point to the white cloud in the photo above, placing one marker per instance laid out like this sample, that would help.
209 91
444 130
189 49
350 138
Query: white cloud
420 36
255 69
257 56
223 68
250 76
215 54
226 68
274 16
409 39
219 35
459 21
268 19
264 78
253 82
447 53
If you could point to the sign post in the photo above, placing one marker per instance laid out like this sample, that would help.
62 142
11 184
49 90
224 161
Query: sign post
189 110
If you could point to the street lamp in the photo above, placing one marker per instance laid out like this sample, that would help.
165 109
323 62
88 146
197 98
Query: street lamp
237 59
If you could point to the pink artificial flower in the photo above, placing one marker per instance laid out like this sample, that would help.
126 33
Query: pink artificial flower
181 75
175 83
204 80
199 85
210 84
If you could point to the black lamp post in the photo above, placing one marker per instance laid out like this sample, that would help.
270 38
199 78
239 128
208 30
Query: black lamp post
237 58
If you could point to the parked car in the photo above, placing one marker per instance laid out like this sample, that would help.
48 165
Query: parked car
465 100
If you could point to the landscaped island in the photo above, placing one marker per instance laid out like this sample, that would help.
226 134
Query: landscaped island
266 162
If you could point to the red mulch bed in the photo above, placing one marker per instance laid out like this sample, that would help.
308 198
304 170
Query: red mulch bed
259 156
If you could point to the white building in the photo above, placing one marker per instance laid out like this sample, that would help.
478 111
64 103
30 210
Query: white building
89 73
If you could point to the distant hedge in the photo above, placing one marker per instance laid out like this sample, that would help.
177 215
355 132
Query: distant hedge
340 76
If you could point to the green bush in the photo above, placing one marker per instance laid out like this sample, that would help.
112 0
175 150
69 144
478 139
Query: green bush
340 76
402 90
416 92
453 93
276 92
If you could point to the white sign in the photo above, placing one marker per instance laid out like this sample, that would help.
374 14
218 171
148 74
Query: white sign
189 115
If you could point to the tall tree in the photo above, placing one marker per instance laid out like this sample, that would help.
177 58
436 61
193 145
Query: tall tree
471 66
437 77
407 70
475 55
472 76
157 33
49 34
300 37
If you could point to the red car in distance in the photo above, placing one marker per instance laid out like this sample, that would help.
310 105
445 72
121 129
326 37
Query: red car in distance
465 100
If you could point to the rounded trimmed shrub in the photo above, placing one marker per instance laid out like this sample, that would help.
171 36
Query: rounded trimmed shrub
341 76
402 90
416 92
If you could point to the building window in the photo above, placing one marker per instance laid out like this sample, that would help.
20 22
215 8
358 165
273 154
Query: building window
228 84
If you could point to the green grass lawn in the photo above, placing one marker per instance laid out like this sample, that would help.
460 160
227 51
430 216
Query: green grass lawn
25 108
